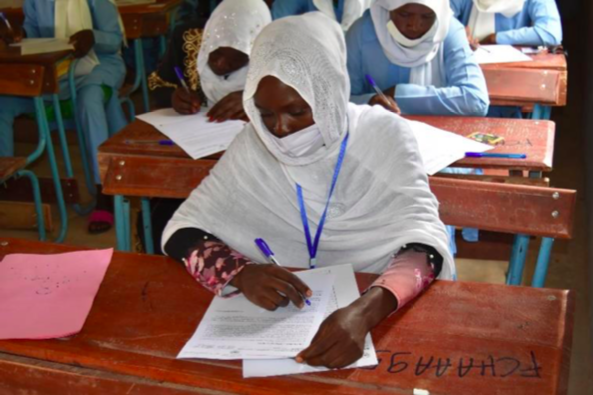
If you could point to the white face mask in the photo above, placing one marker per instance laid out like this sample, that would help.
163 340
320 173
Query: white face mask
303 142
406 42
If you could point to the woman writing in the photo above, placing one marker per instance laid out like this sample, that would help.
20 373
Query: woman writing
310 161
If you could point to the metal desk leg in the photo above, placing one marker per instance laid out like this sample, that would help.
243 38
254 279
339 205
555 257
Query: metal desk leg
121 208
517 262
66 153
147 224
543 262
141 73
162 46
37 199
44 129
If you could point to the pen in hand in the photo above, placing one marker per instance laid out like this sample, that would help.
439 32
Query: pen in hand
179 74
375 87
267 251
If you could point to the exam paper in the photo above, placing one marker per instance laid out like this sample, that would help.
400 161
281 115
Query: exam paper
344 292
193 133
34 46
235 328
49 296
488 54
440 148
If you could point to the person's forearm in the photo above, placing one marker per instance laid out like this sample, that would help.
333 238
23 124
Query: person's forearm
375 305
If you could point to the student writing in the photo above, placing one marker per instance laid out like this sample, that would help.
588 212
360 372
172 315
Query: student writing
223 59
359 165
418 54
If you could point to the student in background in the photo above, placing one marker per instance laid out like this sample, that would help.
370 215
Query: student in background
94 28
182 52
346 12
382 217
419 56
223 59
511 22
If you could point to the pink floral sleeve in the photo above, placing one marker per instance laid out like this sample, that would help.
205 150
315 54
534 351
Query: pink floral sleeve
408 274
213 264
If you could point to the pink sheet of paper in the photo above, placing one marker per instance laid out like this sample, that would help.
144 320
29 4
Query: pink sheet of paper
49 296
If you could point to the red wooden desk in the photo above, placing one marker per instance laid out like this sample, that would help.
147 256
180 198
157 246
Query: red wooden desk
535 138
34 76
543 81
458 338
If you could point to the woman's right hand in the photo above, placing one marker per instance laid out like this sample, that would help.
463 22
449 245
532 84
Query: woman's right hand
10 36
185 102
385 101
271 286
474 43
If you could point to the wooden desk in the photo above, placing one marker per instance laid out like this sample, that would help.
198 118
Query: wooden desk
31 75
148 20
458 338
535 138
543 81
34 76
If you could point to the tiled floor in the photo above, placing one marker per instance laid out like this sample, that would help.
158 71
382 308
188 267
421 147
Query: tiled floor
568 267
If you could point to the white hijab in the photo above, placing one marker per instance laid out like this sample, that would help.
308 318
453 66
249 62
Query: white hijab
234 24
72 16
353 9
382 199
426 58
482 20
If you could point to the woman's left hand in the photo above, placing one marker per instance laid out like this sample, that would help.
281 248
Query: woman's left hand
230 107
339 342
83 42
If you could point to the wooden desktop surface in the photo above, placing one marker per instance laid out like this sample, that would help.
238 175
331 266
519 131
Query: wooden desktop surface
457 338
534 138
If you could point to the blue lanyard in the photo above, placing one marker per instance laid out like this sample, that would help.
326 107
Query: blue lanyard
312 246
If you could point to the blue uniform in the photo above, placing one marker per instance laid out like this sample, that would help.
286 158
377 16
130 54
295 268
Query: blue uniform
282 8
97 117
538 24
465 93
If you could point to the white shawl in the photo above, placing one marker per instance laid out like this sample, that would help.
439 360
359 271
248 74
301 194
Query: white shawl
72 16
382 199
234 24
482 20
353 9
426 58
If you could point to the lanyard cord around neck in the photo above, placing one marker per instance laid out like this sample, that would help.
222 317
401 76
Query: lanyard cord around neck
313 245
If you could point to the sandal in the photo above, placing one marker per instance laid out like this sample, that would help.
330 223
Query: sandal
100 221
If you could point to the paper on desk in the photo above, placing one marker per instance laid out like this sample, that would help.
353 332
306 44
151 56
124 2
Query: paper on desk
35 46
11 3
488 54
235 328
344 292
49 296
193 133
440 148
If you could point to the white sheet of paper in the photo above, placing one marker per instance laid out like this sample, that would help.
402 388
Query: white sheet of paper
235 328
193 133
440 148
489 54
344 292
34 46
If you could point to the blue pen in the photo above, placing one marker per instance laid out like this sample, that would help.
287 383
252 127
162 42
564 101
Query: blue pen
267 251
494 155
155 142
181 79
375 87
6 22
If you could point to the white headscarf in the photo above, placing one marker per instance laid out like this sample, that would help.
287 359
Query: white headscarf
353 9
234 24
425 58
482 20
382 199
72 16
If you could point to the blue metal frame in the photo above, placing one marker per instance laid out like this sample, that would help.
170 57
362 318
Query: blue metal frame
147 224
37 199
543 262
44 131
